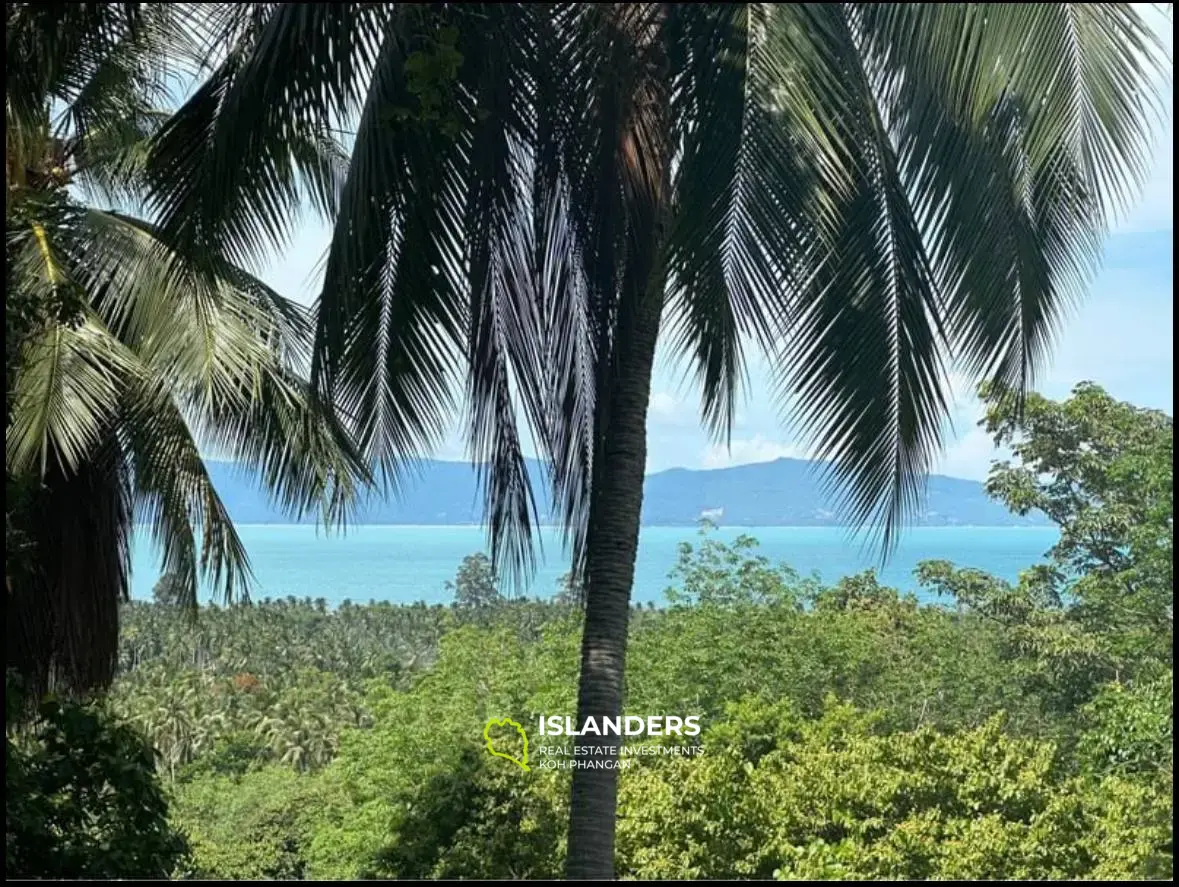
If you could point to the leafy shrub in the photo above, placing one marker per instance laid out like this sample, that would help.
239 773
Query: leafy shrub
82 800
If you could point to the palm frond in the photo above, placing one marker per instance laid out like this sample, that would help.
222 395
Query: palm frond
174 346
504 350
389 336
67 397
1019 134
175 497
294 444
236 363
161 349
988 218
51 52
758 105
231 321
225 176
863 359
88 63
709 239
580 249
108 161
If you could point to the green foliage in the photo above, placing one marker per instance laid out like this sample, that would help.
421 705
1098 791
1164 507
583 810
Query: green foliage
715 574
128 341
570 591
431 77
757 628
918 780
1103 471
475 583
283 678
1100 608
1131 730
168 590
256 826
834 798
420 796
1000 730
83 800
29 311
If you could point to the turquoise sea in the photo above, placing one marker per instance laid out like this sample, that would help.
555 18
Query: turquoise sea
405 564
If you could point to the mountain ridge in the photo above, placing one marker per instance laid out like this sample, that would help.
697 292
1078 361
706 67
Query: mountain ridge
784 492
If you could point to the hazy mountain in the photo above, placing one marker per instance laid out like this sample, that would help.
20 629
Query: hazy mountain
786 492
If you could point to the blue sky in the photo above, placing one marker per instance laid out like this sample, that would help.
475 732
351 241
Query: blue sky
1120 336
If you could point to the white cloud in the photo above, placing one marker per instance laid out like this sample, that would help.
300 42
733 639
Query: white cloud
968 450
668 409
970 456
747 450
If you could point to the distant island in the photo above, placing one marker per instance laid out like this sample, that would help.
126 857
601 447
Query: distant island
785 492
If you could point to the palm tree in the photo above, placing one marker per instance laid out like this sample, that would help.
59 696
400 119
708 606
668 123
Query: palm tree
130 356
537 192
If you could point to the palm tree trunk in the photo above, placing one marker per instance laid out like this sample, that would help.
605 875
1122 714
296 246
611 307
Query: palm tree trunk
642 164
611 547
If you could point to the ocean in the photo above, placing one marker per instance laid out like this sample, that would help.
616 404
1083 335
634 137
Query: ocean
404 564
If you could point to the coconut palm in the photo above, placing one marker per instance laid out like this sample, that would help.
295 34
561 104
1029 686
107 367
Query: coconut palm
538 194
132 357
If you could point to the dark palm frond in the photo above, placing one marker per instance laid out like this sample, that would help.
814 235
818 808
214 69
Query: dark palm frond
987 220
389 334
108 163
129 75
1018 134
568 358
709 244
582 121
561 287
296 445
857 188
74 68
862 358
322 162
227 169
757 101
406 297
52 50
504 357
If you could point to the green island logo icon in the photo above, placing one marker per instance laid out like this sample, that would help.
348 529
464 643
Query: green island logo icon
522 761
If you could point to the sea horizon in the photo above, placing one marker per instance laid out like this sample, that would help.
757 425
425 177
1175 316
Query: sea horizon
407 563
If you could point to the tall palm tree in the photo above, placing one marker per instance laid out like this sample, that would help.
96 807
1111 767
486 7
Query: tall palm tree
537 192
130 356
